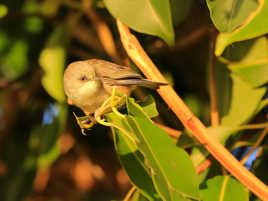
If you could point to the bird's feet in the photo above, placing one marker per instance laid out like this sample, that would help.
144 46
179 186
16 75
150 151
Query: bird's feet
85 122
111 104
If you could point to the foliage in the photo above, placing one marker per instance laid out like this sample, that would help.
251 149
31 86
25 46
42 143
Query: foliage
43 154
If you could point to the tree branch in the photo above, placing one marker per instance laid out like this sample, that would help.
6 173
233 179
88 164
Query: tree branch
191 122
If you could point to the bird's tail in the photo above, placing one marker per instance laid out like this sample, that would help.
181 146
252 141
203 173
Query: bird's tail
140 82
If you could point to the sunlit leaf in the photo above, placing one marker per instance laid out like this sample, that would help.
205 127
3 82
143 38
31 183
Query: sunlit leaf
166 164
229 14
223 188
231 89
150 17
3 10
52 60
256 74
256 25
263 104
249 60
245 102
133 161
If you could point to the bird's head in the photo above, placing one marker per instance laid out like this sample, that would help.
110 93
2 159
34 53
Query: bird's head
80 82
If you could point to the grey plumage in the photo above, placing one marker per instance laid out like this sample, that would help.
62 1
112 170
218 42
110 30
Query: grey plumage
89 83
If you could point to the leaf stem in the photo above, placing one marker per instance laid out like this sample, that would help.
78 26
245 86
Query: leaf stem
253 126
103 31
257 143
191 122
130 193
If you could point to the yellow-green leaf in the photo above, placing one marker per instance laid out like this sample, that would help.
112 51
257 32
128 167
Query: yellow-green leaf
150 17
223 188
52 61
256 25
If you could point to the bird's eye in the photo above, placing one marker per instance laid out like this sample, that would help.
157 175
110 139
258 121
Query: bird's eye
83 78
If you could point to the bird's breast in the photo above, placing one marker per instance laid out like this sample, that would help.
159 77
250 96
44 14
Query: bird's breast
90 88
90 96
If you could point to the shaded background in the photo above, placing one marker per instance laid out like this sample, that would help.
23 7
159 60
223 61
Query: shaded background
43 155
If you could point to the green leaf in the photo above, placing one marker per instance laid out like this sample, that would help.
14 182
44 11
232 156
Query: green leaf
224 188
186 141
150 17
194 103
3 10
262 105
52 60
50 7
255 74
137 196
132 161
223 89
180 10
167 164
14 59
231 90
256 25
252 64
244 104
170 168
229 14
33 24
149 107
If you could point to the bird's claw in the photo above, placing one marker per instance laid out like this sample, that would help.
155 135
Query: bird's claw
87 122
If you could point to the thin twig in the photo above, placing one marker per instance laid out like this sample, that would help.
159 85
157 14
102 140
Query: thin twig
201 168
86 36
253 126
214 113
103 31
181 43
130 193
257 143
191 122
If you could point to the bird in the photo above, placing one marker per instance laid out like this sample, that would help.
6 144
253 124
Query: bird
89 83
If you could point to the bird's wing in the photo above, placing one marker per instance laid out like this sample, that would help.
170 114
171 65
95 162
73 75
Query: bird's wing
108 70
116 75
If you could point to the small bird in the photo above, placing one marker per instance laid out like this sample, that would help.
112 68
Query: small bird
89 83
